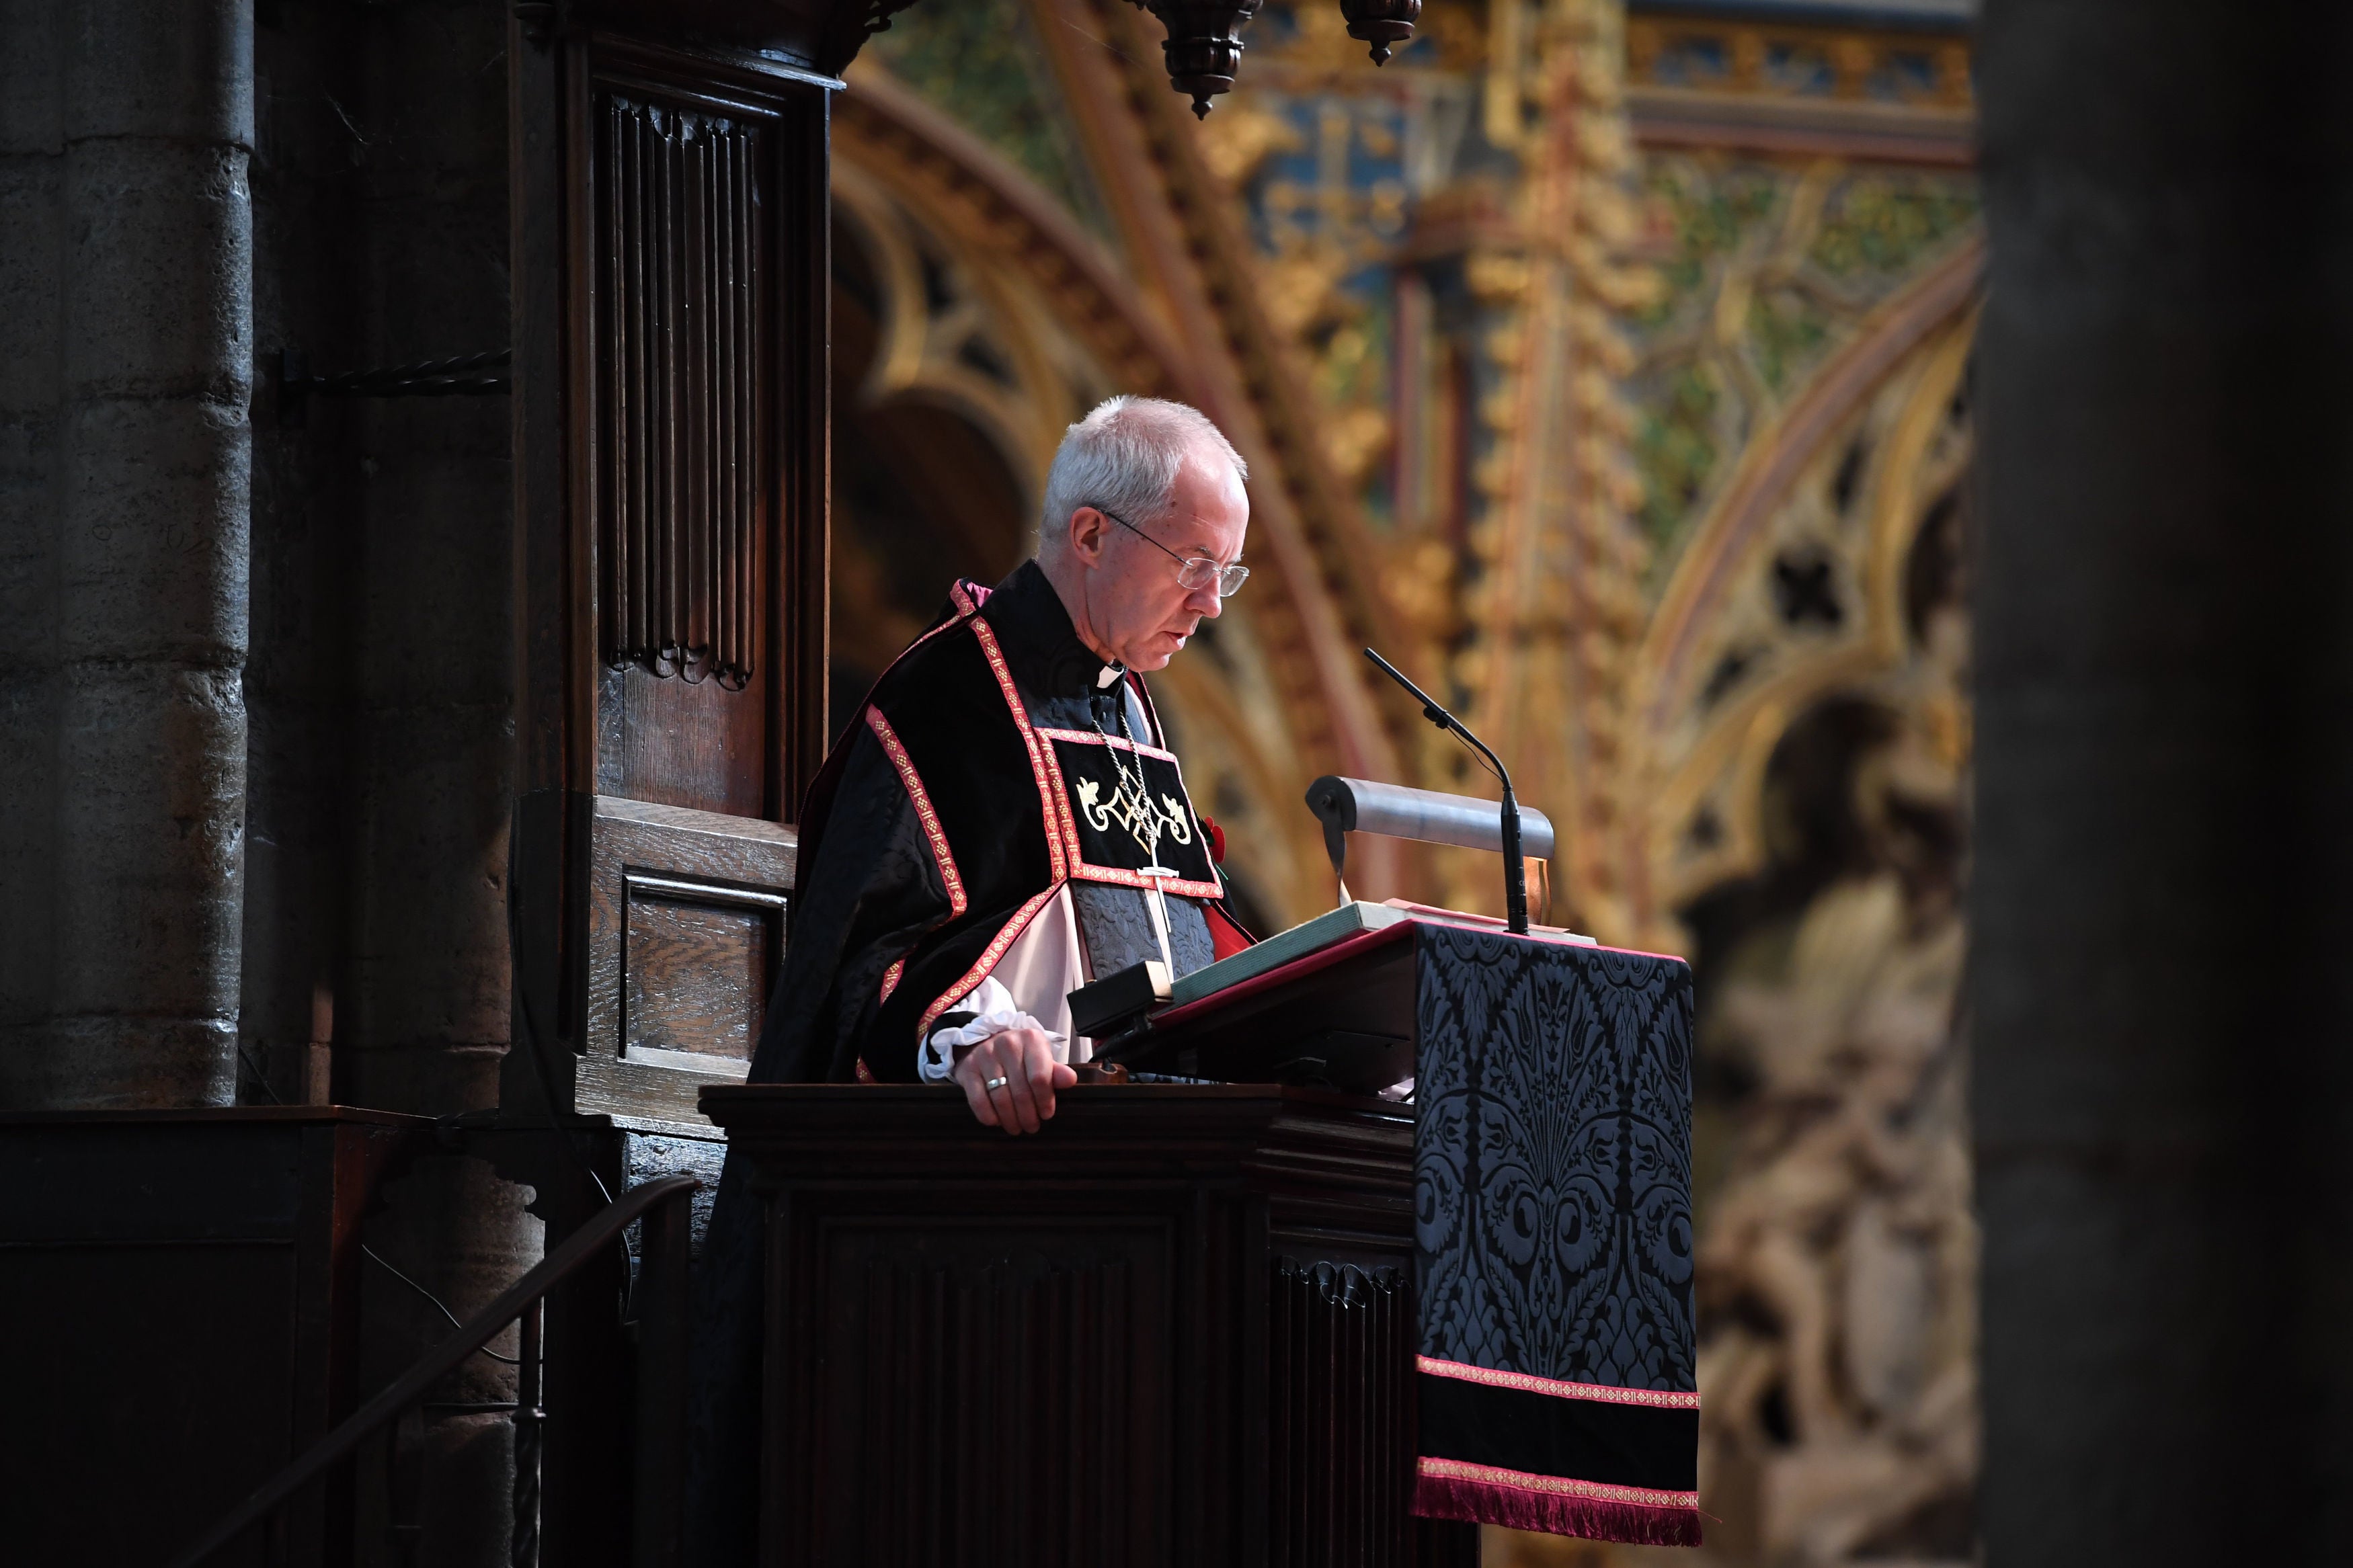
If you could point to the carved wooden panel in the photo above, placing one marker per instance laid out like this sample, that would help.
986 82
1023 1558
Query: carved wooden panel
1340 1344
672 264
684 358
686 932
1016 1441
696 958
696 425
1175 1329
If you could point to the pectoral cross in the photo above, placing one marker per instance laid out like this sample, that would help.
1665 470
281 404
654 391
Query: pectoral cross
1157 901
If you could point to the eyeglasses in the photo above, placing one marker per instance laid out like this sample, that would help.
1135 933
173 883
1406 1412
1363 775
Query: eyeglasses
1194 573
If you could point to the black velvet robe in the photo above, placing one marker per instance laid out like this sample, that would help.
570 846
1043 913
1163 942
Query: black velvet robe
942 822
973 782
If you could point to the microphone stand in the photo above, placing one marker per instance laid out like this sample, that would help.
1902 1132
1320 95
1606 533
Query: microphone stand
1515 867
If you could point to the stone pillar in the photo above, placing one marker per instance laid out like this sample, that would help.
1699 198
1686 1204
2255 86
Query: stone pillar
384 749
32 229
2163 900
422 1005
135 252
382 682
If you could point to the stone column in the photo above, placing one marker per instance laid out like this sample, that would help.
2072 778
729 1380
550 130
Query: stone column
144 215
422 1002
31 226
2163 904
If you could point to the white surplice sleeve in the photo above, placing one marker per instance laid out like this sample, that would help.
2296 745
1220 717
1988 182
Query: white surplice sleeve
1029 989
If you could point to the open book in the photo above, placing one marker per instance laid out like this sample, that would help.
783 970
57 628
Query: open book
1309 936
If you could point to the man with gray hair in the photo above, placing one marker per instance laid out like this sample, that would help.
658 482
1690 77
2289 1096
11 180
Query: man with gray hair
1004 821
1001 822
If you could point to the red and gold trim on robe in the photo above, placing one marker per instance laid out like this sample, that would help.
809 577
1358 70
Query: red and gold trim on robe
1094 814
1076 812
922 800
1006 846
990 957
1050 785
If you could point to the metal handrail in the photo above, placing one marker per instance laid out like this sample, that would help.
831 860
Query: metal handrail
363 1423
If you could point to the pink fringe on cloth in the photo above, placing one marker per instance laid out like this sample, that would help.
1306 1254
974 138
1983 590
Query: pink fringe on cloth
1515 1508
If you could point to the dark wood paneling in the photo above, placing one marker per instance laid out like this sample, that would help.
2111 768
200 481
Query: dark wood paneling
1340 1343
818 35
107 1173
805 421
684 363
686 930
1177 1326
700 419
696 746
671 470
686 498
1011 1440
696 965
672 256
179 1302
89 1392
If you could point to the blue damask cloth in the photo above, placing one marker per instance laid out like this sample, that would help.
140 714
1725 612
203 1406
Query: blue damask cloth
1553 1235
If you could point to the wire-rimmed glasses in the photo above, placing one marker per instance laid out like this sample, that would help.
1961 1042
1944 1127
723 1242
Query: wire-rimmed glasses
1194 572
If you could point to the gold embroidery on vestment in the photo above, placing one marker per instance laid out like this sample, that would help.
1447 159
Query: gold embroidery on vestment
1143 820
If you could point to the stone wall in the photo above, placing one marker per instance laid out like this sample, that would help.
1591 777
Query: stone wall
382 684
256 669
125 370
381 688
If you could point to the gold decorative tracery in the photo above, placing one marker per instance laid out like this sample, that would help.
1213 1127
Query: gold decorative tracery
1837 486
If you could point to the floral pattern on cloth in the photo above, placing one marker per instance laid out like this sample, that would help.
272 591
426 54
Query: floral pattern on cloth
1552 1160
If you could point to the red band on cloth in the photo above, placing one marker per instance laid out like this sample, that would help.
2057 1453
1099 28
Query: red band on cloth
1601 1393
921 798
1480 1494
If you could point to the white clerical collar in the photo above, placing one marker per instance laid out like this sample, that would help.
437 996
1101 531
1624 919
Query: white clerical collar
1110 673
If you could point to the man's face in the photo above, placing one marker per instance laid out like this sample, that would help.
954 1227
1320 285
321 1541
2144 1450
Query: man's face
1135 609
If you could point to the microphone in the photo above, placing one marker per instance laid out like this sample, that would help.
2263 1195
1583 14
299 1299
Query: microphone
1515 867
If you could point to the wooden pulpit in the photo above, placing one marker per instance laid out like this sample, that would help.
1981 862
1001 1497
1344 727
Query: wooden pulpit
1177 1326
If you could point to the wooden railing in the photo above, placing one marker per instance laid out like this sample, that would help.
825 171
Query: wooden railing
661 1300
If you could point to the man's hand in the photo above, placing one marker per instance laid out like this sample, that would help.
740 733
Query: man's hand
1022 1063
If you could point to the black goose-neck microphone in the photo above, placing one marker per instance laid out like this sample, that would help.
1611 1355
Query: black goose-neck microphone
1515 870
